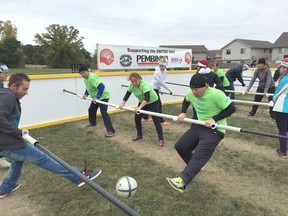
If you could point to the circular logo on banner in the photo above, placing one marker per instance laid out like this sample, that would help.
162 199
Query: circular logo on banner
106 56
188 58
125 60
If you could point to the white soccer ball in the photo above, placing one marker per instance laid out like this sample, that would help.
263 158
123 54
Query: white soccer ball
126 186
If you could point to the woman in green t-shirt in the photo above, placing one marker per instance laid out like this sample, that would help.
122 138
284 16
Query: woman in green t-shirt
148 100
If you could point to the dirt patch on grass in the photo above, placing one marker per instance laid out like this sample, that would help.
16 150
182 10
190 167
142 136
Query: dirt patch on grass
16 203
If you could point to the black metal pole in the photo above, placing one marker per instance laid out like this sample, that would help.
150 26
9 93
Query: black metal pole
107 195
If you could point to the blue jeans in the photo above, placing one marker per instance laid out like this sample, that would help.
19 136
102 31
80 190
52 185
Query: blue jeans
33 155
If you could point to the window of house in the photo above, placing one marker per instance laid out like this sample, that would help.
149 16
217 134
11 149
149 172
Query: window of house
242 51
228 51
281 50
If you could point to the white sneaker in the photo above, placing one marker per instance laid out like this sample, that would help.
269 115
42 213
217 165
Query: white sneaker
4 163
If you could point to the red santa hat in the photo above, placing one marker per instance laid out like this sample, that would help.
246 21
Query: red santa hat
202 64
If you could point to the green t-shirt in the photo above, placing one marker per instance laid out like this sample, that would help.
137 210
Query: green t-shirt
91 83
210 104
221 74
141 89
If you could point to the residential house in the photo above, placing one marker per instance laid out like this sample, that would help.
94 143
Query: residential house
280 47
214 55
245 51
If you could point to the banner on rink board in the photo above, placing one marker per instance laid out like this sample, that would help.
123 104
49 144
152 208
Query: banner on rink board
118 57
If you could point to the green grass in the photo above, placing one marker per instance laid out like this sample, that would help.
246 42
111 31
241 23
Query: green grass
236 181
39 69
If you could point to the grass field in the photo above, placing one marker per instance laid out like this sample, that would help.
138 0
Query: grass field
244 176
38 69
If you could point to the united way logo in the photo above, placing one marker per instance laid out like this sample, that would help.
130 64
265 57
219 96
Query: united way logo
125 60
106 56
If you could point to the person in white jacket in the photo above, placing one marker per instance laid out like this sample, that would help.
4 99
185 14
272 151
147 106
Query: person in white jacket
157 82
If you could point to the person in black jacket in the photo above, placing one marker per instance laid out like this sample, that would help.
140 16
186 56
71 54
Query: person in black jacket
210 77
233 74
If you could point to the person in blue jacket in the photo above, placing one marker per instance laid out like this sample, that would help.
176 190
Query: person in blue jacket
280 109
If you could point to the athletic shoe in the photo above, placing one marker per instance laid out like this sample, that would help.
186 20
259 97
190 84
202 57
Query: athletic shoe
281 154
250 116
161 144
165 123
110 134
137 138
4 163
91 175
2 195
177 183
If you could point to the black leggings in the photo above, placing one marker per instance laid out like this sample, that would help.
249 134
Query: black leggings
258 98
153 107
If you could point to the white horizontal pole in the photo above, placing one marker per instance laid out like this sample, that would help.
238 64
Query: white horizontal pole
270 104
243 92
187 120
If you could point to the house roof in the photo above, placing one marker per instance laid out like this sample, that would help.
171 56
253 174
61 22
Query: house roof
253 44
213 53
195 48
282 41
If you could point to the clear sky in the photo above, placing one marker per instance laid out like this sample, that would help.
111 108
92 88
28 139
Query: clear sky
213 23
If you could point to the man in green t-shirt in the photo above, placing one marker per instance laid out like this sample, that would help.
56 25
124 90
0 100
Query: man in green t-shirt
196 146
97 91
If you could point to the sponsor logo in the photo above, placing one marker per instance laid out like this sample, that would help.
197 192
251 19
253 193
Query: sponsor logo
176 60
188 57
149 59
106 56
125 60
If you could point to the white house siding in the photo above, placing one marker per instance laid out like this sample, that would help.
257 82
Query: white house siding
235 55
278 56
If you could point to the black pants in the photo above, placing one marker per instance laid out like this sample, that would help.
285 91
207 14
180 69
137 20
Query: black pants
258 98
196 147
92 111
160 108
153 107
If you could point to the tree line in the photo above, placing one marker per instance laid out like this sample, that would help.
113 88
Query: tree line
59 47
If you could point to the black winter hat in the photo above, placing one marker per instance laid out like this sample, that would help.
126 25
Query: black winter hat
197 81
261 61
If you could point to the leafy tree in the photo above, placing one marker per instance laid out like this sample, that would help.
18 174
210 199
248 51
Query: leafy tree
63 46
7 30
11 52
34 54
